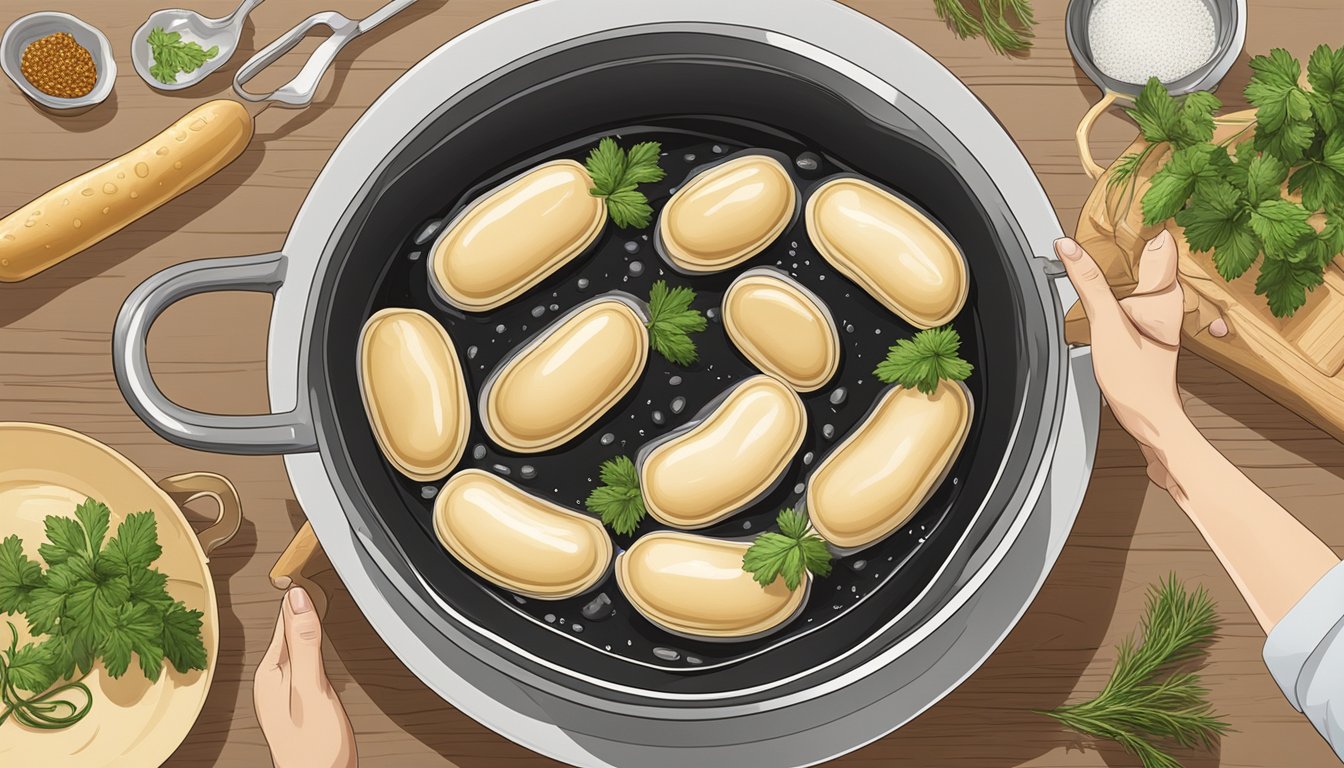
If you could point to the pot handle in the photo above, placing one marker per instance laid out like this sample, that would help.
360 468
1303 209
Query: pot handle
259 434
1084 132
184 489
302 560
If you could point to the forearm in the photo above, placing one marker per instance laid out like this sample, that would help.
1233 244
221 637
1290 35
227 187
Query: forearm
1272 558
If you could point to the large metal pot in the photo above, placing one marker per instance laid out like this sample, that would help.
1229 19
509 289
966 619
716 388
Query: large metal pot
815 67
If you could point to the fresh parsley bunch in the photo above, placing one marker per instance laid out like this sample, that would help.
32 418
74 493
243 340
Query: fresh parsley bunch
173 57
789 554
672 321
618 500
1227 196
920 363
616 175
95 601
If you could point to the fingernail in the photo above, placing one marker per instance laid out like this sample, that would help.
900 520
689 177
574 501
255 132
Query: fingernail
1218 328
1067 248
1159 241
299 601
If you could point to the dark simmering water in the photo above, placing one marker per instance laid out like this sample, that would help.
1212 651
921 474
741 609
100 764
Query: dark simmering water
668 396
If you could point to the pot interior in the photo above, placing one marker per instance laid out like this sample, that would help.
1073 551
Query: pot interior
704 97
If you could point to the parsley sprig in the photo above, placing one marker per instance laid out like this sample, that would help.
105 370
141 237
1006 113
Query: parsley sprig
671 321
617 174
789 554
93 602
920 363
173 57
991 18
618 500
1147 700
1227 196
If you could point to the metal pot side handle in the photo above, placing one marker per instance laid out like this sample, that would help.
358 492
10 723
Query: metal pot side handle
260 434
186 488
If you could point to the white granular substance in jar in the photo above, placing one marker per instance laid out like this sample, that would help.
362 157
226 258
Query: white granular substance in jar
1133 40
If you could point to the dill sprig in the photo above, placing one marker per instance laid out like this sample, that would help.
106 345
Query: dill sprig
1138 707
990 19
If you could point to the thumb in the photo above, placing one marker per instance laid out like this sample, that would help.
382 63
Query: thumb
303 640
1103 311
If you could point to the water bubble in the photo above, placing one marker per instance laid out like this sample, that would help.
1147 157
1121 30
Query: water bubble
674 381
631 246
746 526
636 268
808 457
711 314
527 472
538 311
799 488
607 439
598 608
500 328
659 418
808 161
666 654
716 149
859 565
839 395
553 307
550 618
688 157
828 431
678 404
429 231
414 256
582 284
429 492
503 470
577 627
849 327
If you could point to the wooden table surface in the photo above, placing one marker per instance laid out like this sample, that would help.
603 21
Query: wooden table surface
209 352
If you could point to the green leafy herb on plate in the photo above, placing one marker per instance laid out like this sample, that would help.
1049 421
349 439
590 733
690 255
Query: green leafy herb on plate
789 554
920 363
618 500
1229 196
1148 700
97 600
617 174
173 57
671 321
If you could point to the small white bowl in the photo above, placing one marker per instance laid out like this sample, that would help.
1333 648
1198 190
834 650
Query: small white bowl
24 31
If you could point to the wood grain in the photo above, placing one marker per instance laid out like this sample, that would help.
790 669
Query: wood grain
209 352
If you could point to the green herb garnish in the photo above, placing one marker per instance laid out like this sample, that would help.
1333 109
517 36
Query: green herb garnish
173 57
671 321
991 19
791 553
618 500
920 363
94 602
1137 707
616 175
1227 196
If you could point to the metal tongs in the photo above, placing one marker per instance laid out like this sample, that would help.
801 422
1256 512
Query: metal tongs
299 92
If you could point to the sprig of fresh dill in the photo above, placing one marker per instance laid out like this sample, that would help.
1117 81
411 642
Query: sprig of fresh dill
990 19
1139 708
672 321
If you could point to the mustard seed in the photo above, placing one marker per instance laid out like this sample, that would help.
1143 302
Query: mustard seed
59 66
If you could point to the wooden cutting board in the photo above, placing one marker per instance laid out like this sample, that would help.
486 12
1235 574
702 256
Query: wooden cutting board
1296 361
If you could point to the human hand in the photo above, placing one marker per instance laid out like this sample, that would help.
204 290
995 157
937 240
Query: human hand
1135 343
301 717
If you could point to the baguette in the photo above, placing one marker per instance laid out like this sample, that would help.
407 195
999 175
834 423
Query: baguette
89 207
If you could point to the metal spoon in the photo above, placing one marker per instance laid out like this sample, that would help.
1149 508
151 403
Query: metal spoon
193 27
